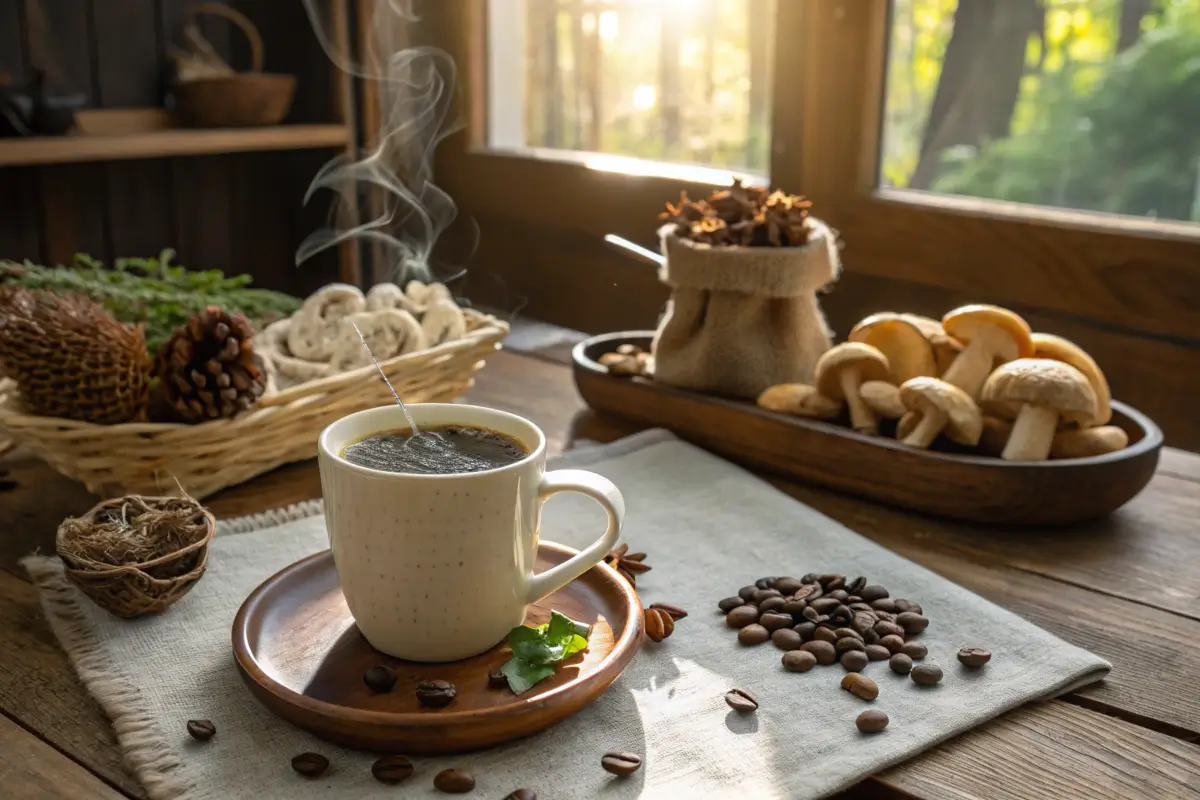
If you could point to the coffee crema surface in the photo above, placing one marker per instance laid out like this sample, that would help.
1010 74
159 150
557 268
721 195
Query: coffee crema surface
443 450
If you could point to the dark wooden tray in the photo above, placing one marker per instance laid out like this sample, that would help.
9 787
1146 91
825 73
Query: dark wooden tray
303 657
945 484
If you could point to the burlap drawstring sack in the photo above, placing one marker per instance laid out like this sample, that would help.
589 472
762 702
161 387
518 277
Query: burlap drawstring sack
741 319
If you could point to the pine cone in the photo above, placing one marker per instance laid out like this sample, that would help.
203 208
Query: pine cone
208 369
71 359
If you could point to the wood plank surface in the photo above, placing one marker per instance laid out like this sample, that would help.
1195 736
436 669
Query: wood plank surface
33 770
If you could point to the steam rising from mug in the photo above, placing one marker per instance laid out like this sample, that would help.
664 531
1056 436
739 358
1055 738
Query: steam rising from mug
416 88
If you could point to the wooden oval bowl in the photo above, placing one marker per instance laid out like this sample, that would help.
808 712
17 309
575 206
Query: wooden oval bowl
302 656
958 485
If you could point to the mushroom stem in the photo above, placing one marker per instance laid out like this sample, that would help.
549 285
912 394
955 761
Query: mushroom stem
927 429
970 369
862 418
1032 434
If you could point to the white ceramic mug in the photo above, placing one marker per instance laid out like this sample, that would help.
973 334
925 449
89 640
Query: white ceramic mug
440 567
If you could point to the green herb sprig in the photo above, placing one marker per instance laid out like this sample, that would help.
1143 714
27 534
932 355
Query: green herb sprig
536 650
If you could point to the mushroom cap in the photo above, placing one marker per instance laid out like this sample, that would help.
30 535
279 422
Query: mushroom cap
1047 345
1039 382
967 322
871 364
1089 442
926 325
965 420
909 352
883 398
800 399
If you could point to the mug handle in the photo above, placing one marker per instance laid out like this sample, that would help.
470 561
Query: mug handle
604 492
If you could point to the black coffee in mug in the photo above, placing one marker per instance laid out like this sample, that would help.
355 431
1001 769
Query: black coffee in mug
445 450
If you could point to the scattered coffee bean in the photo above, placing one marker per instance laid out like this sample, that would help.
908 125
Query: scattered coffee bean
454 781
848 643
521 794
673 610
873 592
659 624
823 650
623 764
915 650
747 592
741 700
824 605
496 679
380 678
435 694
812 615
763 594
974 656
772 604
841 595
854 600
824 635
912 622
877 652
872 721
809 577
806 630
753 634
808 592
729 604
310 765
860 686
201 729
764 583
855 605
900 664
854 660
862 621
884 604
871 637
885 628
832 583
392 769
884 616
787 639
799 661
856 586
901 605
773 622
926 674
742 616
793 606
787 585
893 643
844 633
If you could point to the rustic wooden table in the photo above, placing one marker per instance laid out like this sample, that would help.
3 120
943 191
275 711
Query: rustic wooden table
1127 588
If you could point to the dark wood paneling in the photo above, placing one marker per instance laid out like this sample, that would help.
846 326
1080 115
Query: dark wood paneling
19 197
201 188
74 212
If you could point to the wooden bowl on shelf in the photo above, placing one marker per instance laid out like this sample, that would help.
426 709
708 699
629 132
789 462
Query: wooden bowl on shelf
956 485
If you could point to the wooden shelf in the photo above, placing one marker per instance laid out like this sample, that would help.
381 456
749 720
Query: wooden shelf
167 143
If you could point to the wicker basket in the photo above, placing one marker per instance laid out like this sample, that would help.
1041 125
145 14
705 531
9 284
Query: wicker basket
131 590
148 458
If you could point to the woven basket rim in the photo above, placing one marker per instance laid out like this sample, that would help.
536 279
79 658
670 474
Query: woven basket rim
112 570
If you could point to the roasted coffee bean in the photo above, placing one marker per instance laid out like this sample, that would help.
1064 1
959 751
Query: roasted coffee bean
854 660
454 781
741 700
912 622
763 594
787 639
831 583
841 594
884 604
809 577
623 764
848 643
974 656
824 635
659 624
772 604
860 686
787 585
799 661
871 721
856 606
877 652
885 628
900 664
901 605
435 694
843 633
805 629
885 616
380 678
753 634
873 592
824 619
794 607
824 651
914 650
676 612
824 605
742 616
521 794
747 592
856 586
392 769
730 603
310 765
926 674
773 622
854 600
915 608
862 621
496 679
871 637
809 592
893 643
843 616
811 614
764 583
201 729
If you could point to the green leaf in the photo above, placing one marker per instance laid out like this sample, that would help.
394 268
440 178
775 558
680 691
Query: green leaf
536 649
576 644
560 628
523 676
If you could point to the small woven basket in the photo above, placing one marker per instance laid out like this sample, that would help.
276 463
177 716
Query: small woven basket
147 587
210 94
148 458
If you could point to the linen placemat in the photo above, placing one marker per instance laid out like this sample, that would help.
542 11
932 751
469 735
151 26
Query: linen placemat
709 527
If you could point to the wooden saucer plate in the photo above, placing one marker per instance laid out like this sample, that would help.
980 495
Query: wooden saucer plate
302 656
